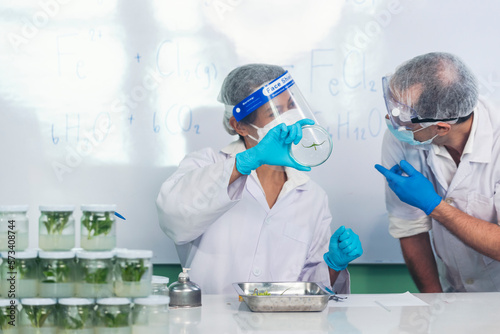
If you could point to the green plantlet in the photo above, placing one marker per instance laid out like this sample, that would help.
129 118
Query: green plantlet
97 224
22 268
114 321
314 145
4 316
97 276
76 320
132 271
56 272
37 314
56 222
257 293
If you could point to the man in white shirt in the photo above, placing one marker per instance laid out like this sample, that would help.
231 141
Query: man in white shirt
443 152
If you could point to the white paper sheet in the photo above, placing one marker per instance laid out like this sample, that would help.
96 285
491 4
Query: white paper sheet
378 300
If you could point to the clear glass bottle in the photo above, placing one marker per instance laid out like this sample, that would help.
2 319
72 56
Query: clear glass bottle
150 315
113 316
159 285
1 279
57 274
98 230
94 274
133 271
14 225
23 267
76 316
38 316
9 317
56 230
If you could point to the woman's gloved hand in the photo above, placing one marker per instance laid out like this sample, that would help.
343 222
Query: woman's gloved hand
345 246
273 149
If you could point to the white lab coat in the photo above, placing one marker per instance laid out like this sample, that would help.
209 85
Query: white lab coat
229 234
474 189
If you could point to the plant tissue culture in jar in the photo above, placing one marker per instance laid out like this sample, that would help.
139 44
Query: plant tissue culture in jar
76 316
133 271
14 226
56 230
98 231
113 316
38 316
9 316
150 315
94 274
57 274
23 267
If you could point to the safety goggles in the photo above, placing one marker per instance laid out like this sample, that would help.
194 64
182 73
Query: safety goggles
401 115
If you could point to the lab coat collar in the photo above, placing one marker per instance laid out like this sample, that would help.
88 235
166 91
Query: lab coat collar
295 178
479 143
483 136
469 145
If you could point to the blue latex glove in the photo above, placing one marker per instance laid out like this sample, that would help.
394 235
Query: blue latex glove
273 149
413 189
345 246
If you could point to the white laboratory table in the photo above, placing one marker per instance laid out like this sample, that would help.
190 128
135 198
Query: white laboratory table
438 313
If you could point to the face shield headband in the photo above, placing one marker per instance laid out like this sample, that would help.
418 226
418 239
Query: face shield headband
262 96
401 115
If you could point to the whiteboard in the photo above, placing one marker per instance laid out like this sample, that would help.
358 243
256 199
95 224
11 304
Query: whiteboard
101 99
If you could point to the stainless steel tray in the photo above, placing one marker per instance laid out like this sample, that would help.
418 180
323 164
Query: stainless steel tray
284 296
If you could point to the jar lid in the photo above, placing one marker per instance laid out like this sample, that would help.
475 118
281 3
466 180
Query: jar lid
38 301
160 280
56 255
134 254
7 302
94 255
57 208
98 207
13 208
26 254
75 301
113 301
152 300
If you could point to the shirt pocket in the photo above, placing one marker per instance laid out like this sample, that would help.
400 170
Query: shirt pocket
291 254
482 207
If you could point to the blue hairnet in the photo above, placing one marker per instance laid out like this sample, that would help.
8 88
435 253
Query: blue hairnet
241 82
440 84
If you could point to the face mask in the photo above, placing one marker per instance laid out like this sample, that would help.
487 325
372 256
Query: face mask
289 117
406 136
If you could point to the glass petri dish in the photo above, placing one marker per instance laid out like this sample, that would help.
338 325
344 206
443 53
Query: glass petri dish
314 148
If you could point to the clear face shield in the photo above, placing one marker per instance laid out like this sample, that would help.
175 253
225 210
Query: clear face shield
280 101
402 116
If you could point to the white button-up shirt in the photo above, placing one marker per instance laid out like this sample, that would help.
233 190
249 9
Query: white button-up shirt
472 187
228 234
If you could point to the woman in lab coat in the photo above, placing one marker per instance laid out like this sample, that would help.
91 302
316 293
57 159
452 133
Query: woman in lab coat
247 212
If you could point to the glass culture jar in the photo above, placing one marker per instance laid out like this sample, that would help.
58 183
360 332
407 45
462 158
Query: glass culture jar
23 267
133 271
57 274
98 231
9 317
38 316
150 315
14 226
159 286
94 274
113 316
56 230
76 316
